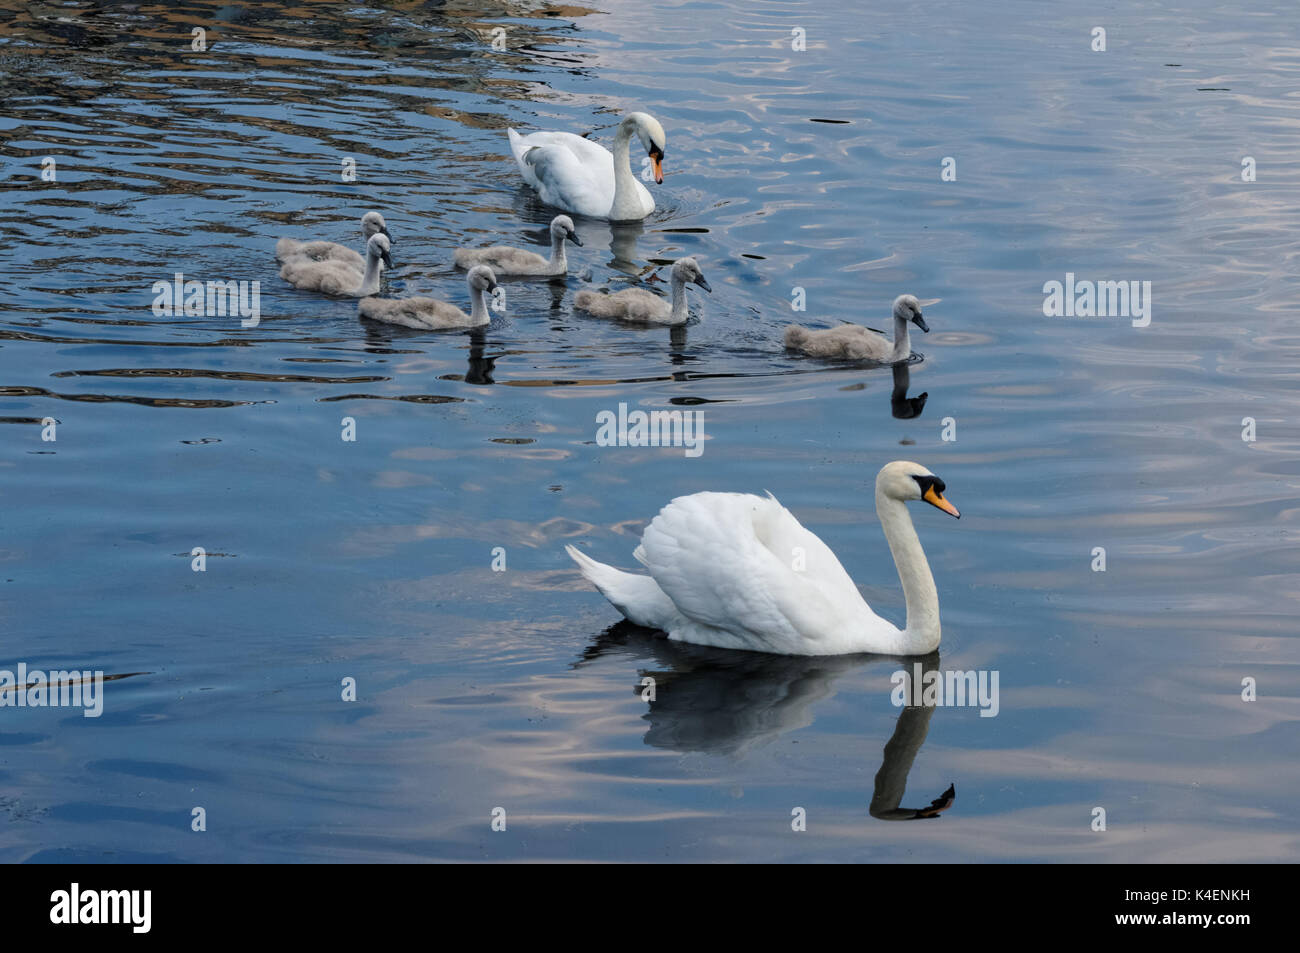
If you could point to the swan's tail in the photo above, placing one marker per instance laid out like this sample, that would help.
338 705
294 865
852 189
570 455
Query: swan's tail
517 146
796 337
525 154
639 598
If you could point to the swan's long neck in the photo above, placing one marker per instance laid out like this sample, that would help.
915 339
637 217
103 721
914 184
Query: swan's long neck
902 342
559 263
627 203
900 751
478 313
370 280
680 311
921 632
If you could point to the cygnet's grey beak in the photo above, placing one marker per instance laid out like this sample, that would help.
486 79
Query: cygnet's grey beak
388 259
573 237
703 284
387 234
919 321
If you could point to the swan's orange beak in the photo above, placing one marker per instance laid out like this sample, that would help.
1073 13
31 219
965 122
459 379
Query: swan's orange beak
657 164
935 498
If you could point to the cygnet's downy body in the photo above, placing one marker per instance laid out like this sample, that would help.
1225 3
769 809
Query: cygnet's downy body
854 342
336 277
430 314
639 306
505 260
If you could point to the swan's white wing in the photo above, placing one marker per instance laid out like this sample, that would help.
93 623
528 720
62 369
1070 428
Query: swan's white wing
727 561
568 171
584 150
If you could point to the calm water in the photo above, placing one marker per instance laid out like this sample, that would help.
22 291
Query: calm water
372 559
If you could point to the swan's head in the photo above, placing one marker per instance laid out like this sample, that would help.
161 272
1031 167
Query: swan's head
903 480
687 270
481 278
377 247
907 308
372 223
652 136
562 227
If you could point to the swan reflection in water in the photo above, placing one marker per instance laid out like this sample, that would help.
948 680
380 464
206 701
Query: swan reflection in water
386 339
719 701
480 365
902 406
619 237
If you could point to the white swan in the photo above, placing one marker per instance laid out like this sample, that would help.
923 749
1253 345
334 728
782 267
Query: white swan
579 176
505 260
372 223
337 277
858 343
737 571
643 307
430 314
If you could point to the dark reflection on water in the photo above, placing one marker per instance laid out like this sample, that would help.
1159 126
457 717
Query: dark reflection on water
717 702
372 558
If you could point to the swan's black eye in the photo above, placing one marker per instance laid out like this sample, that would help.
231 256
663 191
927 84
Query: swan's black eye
656 153
925 482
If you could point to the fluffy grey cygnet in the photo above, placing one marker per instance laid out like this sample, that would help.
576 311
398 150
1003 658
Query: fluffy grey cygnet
339 278
643 307
432 315
855 342
504 260
372 223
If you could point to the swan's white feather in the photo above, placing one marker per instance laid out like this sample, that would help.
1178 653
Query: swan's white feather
570 172
724 563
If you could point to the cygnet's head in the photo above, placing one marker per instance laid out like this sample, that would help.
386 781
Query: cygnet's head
907 308
481 278
688 270
377 247
372 223
904 480
562 227
652 138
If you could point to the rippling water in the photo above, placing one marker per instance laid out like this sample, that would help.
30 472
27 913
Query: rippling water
816 169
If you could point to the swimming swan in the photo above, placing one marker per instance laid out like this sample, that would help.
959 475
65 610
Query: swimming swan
430 314
580 176
337 277
372 223
505 260
737 571
856 342
639 305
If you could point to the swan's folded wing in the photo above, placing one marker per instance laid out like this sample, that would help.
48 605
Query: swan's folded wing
721 558
787 538
566 181
584 150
